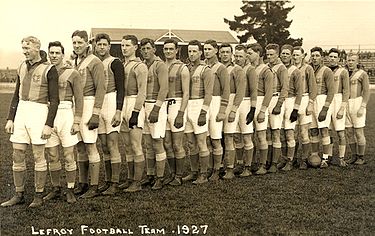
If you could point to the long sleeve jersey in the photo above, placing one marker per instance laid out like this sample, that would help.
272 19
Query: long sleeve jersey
135 82
157 81
359 86
341 81
114 75
324 83
295 85
251 79
201 83
280 80
309 81
265 84
91 69
237 84
221 84
70 87
37 83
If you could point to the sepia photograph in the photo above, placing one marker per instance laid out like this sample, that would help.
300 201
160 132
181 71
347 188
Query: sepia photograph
187 117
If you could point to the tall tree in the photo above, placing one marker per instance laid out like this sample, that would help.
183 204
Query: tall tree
265 21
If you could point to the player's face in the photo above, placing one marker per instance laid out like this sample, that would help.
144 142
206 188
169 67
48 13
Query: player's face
352 62
225 54
240 57
147 51
127 48
286 56
297 56
252 55
170 51
316 58
333 59
272 56
102 47
55 55
194 53
30 51
79 45
209 51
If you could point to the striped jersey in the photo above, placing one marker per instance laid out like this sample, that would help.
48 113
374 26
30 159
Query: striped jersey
175 80
341 81
91 69
359 85
157 81
309 82
280 80
135 82
324 82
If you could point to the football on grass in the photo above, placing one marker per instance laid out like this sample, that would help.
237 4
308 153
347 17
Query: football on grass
314 160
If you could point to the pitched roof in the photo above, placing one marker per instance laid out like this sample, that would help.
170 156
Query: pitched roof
161 34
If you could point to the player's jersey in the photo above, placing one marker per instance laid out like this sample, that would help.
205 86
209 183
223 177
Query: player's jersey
109 76
309 82
265 83
359 85
135 82
174 77
341 81
157 80
237 83
34 83
221 83
201 83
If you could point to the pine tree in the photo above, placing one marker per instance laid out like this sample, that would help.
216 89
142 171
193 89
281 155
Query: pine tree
265 21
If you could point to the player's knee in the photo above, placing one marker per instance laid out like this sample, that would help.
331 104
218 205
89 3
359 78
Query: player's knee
326 140
289 134
70 163
19 163
315 139
305 136
314 132
40 163
139 158
324 132
54 166
161 156
360 136
291 143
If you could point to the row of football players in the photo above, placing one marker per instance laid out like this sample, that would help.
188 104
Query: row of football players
156 103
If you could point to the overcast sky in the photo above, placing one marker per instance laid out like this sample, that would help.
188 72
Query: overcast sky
324 23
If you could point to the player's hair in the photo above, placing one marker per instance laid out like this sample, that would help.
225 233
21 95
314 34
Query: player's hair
171 41
33 40
56 44
273 46
239 47
298 48
100 36
145 41
82 34
226 45
288 47
351 54
212 42
132 38
334 50
317 49
196 43
256 47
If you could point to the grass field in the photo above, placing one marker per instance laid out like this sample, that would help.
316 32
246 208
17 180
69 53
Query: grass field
332 201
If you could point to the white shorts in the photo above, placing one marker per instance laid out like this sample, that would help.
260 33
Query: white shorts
193 110
129 103
352 120
215 128
157 130
29 123
304 119
337 124
172 109
276 121
107 113
243 110
289 105
319 103
86 135
260 126
62 126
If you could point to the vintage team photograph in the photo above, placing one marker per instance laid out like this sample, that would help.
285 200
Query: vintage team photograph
187 117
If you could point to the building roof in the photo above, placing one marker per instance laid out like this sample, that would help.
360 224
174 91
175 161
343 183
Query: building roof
159 35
